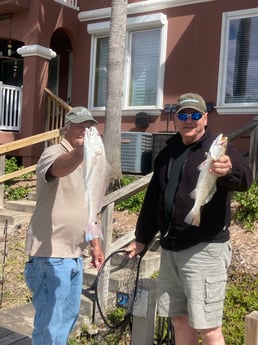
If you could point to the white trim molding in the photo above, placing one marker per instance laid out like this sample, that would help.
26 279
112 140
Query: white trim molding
231 108
69 3
36 50
137 23
137 7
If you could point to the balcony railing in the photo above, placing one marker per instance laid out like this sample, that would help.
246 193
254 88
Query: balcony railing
10 107
70 3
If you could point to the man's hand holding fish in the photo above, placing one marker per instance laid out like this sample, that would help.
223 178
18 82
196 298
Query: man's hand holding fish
221 166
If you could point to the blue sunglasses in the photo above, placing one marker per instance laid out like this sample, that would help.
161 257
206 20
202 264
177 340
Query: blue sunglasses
194 116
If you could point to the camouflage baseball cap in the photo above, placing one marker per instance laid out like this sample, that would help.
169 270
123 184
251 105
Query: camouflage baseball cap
78 115
192 101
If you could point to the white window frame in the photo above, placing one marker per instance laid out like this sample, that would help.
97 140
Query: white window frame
152 21
69 3
231 108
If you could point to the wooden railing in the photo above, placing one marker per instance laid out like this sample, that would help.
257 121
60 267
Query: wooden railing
251 127
110 201
56 109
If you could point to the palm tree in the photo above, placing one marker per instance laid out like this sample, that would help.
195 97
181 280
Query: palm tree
115 76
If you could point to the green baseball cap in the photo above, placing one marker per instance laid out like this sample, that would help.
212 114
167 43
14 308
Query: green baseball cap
78 115
192 101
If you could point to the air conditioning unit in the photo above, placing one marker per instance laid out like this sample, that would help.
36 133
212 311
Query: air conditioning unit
136 152
159 142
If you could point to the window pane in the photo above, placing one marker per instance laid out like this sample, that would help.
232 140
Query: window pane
242 61
100 85
145 58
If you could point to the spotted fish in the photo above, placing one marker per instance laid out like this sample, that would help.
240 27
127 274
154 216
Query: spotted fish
206 183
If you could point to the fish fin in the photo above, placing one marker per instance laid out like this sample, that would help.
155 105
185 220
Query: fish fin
193 217
202 165
106 177
212 192
193 194
93 230
197 219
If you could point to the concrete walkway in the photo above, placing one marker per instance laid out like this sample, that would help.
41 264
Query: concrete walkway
19 320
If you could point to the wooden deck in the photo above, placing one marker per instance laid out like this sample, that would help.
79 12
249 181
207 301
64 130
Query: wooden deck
8 337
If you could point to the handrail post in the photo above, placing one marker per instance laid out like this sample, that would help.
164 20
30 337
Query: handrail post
144 314
2 170
251 328
1 107
107 226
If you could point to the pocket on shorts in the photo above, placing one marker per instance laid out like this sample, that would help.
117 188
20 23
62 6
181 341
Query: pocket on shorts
215 286
215 250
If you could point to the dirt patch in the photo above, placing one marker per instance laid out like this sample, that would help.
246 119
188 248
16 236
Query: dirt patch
245 249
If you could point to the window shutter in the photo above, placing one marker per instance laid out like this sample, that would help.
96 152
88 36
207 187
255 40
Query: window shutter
145 56
100 85
242 61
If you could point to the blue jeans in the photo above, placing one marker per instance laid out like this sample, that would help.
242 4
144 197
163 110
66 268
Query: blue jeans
56 285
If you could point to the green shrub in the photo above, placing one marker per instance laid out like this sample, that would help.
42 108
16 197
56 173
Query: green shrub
241 299
16 193
134 203
116 316
11 165
247 207
13 191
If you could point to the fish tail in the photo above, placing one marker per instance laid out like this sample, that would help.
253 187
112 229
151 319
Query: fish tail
193 217
93 230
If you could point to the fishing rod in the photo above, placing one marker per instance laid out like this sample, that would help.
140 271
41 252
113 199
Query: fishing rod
3 262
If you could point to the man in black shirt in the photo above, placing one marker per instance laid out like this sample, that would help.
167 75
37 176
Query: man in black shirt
194 258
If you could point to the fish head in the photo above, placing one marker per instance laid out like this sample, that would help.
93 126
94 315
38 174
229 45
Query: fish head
218 147
91 131
93 140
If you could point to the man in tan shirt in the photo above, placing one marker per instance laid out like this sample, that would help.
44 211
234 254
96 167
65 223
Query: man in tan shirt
54 272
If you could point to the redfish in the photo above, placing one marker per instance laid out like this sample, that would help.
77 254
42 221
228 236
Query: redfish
96 178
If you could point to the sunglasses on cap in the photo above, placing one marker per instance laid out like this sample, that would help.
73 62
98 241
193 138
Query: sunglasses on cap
194 116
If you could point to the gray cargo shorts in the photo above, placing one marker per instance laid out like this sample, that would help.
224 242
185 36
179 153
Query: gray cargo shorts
192 282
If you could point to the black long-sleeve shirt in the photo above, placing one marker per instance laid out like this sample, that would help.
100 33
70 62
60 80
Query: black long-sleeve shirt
215 215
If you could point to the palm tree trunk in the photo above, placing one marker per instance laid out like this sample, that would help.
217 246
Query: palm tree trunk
115 77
